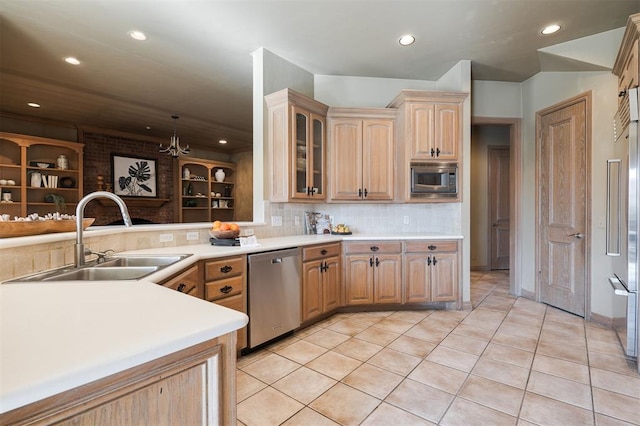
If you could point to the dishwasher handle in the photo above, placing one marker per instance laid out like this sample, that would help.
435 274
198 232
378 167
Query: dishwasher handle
276 260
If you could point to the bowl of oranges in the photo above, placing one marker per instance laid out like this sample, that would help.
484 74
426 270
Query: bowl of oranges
224 231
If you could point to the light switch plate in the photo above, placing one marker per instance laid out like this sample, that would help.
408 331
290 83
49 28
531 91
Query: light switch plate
406 220
192 235
166 238
276 220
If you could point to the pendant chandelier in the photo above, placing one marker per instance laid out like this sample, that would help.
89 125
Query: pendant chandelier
174 148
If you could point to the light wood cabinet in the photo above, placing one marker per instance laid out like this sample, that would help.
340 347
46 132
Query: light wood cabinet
296 147
431 124
321 279
362 147
627 69
203 197
225 283
431 271
22 157
373 272
188 281
194 386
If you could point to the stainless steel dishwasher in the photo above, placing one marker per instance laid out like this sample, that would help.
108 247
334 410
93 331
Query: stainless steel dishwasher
274 294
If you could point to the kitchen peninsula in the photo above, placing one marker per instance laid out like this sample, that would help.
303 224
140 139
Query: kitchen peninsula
62 338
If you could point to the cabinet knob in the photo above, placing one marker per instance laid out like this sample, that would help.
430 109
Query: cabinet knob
434 261
226 289
428 260
181 287
433 152
371 262
377 262
431 247
622 94
365 193
323 252
226 269
375 248
437 152
360 192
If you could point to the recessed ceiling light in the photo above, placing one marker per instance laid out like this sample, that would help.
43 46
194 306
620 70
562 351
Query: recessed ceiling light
148 127
550 29
137 35
34 105
222 141
71 60
407 40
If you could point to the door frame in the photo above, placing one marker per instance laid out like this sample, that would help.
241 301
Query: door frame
489 192
515 194
586 97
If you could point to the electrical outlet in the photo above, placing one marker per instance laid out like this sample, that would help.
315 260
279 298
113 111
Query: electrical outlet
296 220
331 219
276 220
166 238
406 220
192 235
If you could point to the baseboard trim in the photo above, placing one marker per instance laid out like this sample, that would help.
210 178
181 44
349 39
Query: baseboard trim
528 294
604 320
484 268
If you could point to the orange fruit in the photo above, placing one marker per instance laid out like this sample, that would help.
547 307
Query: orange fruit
224 227
217 224
234 227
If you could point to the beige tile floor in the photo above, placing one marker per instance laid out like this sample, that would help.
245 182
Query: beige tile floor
508 361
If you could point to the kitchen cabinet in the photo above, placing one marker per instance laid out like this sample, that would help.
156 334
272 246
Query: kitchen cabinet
296 147
225 283
362 147
192 386
373 272
321 278
430 124
29 166
431 271
204 194
187 282
626 68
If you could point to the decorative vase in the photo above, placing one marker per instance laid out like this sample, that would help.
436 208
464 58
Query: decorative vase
186 173
219 175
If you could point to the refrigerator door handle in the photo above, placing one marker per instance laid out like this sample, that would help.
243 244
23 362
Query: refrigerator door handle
618 287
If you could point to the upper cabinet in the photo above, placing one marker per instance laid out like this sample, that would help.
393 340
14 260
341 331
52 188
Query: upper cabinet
39 175
362 151
430 124
626 68
296 147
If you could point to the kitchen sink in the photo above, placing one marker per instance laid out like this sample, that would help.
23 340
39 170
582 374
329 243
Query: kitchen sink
114 268
140 260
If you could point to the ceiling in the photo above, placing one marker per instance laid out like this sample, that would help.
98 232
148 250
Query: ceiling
196 62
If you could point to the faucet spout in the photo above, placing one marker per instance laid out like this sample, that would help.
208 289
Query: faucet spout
79 250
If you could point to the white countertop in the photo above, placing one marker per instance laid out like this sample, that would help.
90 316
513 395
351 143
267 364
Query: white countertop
55 336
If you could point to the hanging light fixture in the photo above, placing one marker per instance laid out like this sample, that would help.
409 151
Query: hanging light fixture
174 148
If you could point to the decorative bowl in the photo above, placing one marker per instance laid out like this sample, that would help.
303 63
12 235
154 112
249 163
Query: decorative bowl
14 228
224 235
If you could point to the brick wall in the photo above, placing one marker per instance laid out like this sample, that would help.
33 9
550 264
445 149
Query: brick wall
97 162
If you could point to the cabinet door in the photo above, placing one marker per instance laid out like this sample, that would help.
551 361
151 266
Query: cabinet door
300 153
311 289
358 280
317 160
378 159
417 278
444 277
237 303
346 159
447 131
387 279
422 123
187 282
331 284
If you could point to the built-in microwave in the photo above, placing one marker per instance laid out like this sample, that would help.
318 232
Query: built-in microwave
434 179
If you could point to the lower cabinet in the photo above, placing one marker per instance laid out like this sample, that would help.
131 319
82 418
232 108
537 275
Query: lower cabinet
431 271
373 273
187 281
321 278
194 386
225 283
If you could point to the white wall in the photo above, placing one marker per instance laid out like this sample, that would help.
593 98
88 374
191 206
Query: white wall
496 99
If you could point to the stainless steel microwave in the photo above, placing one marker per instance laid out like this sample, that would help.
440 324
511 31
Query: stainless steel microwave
434 179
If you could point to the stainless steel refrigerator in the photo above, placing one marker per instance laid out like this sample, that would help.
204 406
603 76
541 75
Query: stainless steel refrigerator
622 223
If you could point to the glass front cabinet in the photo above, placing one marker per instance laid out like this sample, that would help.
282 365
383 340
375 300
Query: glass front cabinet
296 147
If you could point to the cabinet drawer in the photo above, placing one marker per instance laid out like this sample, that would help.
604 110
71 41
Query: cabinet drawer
320 252
223 288
185 282
234 302
374 247
224 268
430 246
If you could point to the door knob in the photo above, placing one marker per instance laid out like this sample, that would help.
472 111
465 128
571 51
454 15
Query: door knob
577 235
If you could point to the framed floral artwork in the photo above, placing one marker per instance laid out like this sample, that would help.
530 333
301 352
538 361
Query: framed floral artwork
134 176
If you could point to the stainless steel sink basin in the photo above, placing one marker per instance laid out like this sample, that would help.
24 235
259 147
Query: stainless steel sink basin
140 260
115 268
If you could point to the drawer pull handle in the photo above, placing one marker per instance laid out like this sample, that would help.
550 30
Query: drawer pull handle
226 289
181 287
432 247
226 269
375 248
323 252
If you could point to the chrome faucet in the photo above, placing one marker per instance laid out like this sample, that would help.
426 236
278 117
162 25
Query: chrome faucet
79 246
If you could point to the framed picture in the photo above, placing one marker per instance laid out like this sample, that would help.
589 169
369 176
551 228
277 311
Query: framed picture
134 176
